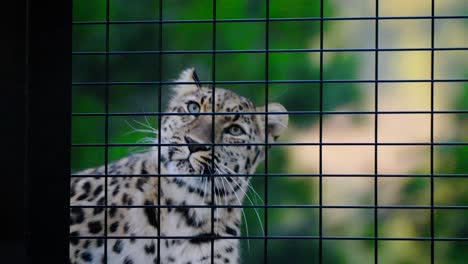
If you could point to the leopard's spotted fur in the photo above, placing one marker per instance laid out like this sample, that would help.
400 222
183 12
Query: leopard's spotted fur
189 227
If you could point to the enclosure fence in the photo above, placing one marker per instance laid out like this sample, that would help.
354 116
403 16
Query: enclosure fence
319 242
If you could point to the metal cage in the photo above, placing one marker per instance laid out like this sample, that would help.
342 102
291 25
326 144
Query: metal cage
52 59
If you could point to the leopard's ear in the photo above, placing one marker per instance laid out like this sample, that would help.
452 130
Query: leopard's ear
277 123
188 81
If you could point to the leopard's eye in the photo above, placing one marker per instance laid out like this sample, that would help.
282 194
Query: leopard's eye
235 130
193 107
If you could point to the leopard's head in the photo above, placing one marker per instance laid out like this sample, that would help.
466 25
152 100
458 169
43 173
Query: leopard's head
235 123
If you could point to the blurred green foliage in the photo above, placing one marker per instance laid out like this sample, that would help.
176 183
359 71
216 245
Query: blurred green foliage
448 191
287 65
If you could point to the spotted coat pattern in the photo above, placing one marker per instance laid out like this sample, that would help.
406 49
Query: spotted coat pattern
187 162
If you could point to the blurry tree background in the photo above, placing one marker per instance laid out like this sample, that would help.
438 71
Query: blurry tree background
134 69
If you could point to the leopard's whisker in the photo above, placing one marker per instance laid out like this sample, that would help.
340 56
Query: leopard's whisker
225 191
140 149
242 210
149 129
255 209
132 127
216 203
145 140
248 197
148 126
243 214
204 187
219 191
253 190
224 187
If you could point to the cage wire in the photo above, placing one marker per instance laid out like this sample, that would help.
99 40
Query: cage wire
318 245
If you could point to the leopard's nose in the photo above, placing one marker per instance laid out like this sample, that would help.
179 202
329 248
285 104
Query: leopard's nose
195 148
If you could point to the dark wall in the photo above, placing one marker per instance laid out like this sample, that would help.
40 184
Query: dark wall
12 190
35 159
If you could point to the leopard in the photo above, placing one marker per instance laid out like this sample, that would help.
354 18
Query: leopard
179 201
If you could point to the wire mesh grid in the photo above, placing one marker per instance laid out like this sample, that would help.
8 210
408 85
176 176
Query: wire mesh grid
318 246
